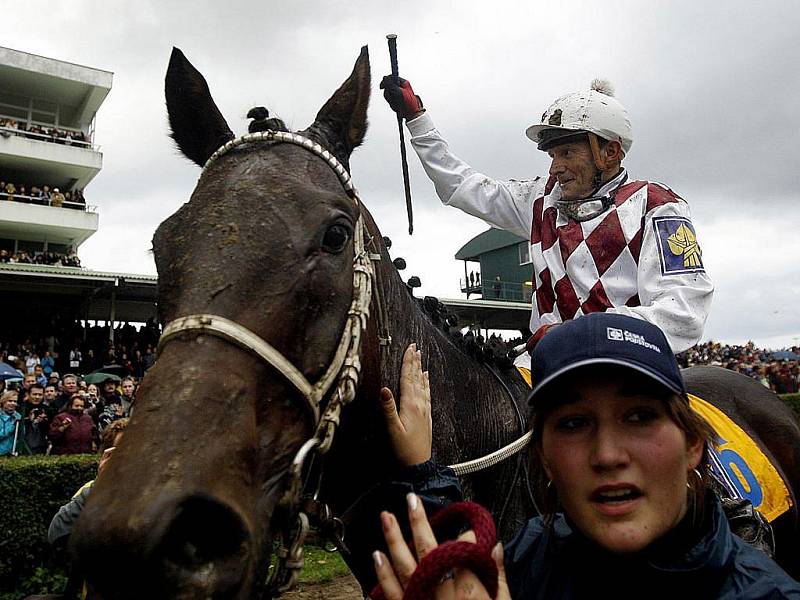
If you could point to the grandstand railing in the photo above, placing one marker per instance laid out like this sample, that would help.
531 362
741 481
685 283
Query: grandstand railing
511 291
26 199
6 131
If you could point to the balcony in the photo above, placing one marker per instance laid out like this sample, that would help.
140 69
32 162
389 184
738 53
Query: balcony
41 161
70 225
471 285
509 291
47 117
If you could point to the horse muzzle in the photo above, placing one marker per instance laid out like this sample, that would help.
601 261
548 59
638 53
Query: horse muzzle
185 548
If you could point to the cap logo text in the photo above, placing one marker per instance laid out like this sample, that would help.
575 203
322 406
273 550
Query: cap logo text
623 335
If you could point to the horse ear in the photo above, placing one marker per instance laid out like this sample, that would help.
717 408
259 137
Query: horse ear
197 125
342 121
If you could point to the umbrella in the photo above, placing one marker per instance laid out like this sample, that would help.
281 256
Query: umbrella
112 369
99 377
785 355
9 372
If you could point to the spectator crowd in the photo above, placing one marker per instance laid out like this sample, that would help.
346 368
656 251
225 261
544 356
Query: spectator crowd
781 375
62 414
44 195
54 409
56 259
72 347
68 137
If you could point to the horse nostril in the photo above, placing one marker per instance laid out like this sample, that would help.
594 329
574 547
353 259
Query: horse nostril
205 531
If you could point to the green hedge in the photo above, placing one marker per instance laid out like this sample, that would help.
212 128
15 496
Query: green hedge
32 489
793 400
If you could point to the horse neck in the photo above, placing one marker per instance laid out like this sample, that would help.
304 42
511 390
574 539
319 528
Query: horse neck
472 416
471 408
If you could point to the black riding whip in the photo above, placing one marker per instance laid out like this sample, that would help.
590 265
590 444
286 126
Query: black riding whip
391 39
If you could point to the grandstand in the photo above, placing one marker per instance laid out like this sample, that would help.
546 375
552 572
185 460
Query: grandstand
48 157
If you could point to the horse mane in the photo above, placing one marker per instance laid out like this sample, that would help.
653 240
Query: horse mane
261 121
320 133
493 352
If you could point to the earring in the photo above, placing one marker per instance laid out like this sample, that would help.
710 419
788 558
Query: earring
698 474
699 477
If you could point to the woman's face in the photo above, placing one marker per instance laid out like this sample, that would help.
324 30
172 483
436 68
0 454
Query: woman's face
618 461
9 405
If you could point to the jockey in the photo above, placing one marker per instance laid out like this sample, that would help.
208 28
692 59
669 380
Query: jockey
600 240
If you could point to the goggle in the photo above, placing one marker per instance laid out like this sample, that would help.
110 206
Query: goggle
586 209
591 207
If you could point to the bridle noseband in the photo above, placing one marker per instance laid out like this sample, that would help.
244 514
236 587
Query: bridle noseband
344 369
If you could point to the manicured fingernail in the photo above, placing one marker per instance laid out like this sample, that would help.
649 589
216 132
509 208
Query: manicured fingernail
497 552
412 501
386 521
376 556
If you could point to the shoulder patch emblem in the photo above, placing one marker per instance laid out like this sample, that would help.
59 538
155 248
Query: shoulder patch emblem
677 245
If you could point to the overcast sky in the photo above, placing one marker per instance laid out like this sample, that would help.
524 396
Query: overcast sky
712 89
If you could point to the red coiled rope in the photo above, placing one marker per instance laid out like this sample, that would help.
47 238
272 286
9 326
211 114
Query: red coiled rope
453 554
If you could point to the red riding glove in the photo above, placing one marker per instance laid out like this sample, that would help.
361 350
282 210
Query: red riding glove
401 97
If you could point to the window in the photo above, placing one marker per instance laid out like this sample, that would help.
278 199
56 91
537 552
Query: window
524 253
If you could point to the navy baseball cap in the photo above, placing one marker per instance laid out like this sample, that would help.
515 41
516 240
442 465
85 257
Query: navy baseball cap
609 339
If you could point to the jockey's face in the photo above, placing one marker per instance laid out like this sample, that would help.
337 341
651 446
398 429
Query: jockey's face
618 461
573 165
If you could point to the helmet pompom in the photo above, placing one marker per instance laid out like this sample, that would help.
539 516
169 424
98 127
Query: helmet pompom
603 86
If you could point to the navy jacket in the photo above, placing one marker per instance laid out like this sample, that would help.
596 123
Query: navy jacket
554 561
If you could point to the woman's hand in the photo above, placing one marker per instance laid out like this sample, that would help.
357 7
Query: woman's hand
410 430
104 459
393 576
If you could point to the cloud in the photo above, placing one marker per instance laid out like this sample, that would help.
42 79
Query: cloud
710 86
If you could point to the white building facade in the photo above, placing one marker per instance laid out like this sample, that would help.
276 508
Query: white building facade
48 110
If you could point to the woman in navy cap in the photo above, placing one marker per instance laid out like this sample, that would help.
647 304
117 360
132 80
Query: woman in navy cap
623 464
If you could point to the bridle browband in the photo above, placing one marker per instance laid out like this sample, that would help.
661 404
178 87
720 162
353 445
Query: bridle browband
344 369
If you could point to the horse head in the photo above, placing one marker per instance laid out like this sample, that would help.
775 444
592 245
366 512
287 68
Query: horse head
187 505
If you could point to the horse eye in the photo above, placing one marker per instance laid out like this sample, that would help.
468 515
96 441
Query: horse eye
335 238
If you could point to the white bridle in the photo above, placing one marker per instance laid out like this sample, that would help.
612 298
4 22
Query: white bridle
345 367
346 364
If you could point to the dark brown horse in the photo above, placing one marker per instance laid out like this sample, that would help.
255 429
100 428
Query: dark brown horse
188 505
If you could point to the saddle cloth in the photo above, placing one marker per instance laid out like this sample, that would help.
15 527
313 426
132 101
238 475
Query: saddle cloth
737 462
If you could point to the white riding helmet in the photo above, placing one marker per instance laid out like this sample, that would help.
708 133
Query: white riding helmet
594 111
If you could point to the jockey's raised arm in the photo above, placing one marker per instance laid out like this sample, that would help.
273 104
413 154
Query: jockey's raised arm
600 240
